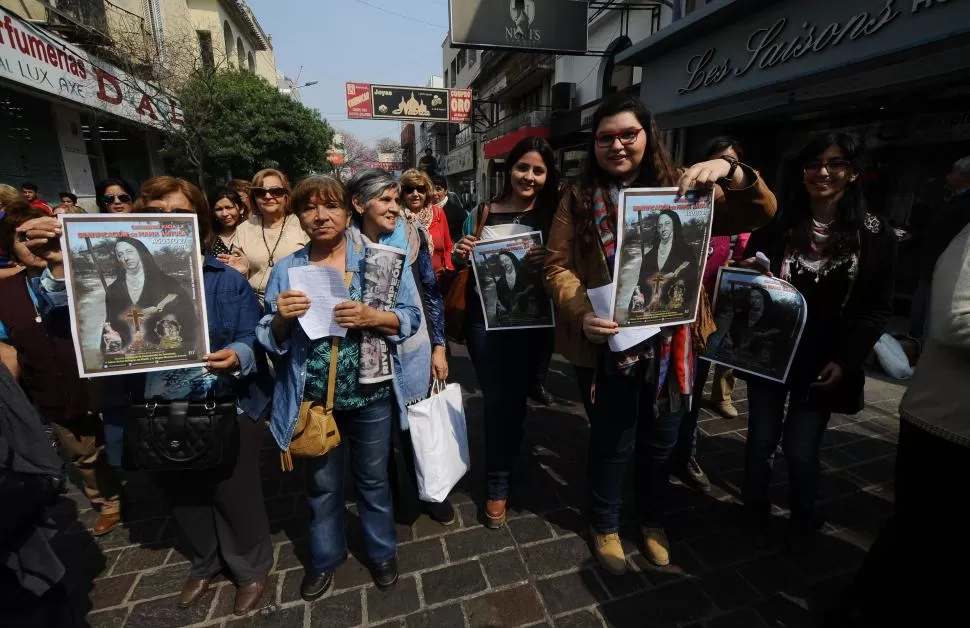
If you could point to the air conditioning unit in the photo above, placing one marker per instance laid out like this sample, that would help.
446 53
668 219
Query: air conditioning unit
563 96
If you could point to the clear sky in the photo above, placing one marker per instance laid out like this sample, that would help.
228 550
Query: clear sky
350 40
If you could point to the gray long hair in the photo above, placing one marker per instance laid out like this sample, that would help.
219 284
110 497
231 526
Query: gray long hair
369 184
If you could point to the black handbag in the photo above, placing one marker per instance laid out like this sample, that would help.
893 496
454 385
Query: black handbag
184 435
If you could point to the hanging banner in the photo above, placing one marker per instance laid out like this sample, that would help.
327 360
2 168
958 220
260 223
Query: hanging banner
395 102
527 25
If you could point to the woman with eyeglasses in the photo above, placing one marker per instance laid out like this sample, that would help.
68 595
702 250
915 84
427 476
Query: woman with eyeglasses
634 399
509 362
271 234
228 212
842 259
418 196
114 196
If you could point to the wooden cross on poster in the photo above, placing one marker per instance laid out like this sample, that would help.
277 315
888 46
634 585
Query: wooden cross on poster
135 317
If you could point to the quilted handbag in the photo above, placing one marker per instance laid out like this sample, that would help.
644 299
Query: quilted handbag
184 435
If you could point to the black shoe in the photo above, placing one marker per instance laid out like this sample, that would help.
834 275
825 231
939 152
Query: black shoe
693 476
315 585
385 574
443 513
755 524
539 394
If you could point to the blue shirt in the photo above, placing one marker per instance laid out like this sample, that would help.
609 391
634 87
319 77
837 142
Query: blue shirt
291 370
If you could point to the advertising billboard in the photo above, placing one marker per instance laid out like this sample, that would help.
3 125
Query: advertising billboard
366 101
528 25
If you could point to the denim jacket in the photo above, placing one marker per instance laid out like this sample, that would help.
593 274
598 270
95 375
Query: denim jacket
291 371
232 314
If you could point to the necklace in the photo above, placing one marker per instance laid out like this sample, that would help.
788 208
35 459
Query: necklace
272 254
30 294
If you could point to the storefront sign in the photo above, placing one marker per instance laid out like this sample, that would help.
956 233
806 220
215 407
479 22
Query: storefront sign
394 102
529 25
32 57
792 40
459 160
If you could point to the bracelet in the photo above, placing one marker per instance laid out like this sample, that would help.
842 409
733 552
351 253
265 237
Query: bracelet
726 180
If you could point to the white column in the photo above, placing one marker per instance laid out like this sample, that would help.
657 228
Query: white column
77 165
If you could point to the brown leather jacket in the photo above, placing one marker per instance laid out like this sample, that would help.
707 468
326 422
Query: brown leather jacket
576 260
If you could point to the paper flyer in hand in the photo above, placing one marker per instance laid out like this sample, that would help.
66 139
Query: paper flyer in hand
759 323
661 247
383 266
135 292
510 283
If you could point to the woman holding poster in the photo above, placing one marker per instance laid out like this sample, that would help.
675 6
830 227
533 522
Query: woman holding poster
510 362
634 399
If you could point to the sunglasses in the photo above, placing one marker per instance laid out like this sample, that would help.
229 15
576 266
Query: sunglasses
108 199
837 166
274 192
410 189
626 137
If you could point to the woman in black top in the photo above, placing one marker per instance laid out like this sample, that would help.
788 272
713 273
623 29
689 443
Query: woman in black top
842 259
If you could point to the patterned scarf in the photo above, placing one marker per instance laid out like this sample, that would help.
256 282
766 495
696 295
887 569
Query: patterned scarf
604 214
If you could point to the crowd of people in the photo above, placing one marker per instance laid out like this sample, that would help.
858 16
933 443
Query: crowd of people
642 403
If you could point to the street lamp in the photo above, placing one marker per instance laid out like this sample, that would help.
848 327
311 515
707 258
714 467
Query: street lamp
307 84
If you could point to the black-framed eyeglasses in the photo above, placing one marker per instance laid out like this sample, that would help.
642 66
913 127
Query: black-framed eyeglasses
833 165
411 189
108 199
275 192
626 137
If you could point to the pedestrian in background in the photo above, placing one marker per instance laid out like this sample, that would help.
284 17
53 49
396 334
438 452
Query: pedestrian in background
68 201
228 212
632 413
114 196
417 196
31 194
509 363
455 212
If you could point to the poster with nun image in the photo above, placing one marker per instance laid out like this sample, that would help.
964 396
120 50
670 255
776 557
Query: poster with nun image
759 323
510 282
135 292
661 248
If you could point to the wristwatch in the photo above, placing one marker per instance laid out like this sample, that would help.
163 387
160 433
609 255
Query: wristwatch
726 180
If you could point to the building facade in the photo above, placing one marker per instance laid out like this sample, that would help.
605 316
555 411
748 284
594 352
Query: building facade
75 107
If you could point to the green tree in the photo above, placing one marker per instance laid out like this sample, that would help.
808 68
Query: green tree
236 123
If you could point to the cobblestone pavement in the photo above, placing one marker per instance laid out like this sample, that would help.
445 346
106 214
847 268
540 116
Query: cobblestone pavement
536 572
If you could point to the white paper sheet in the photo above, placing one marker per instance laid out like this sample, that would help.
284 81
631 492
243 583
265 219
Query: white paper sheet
325 287
601 299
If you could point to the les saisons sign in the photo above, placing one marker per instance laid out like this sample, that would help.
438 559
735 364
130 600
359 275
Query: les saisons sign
394 102
34 58
530 25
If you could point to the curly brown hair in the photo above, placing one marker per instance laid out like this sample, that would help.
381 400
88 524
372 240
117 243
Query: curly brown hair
158 187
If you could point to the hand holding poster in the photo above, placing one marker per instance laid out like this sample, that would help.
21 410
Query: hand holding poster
135 292
661 249
759 323
383 266
508 272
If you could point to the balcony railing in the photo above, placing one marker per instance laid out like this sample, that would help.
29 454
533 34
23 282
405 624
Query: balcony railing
81 20
105 28
531 118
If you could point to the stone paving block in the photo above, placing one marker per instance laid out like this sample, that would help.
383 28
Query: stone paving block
582 619
450 616
291 555
728 589
619 586
569 592
164 581
670 605
508 608
350 574
132 534
343 610
567 522
272 617
400 600
780 610
163 613
548 558
110 592
720 550
291 585
114 618
452 582
139 558
504 568
741 618
771 573
420 555
683 564
426 527
470 515
529 529
477 541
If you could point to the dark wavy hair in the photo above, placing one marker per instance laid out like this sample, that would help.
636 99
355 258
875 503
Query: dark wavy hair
720 144
233 197
851 209
656 169
103 185
548 198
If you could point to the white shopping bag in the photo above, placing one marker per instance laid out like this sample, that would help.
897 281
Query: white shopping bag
440 441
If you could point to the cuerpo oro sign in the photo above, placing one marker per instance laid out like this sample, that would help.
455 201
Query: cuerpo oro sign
794 39
36 59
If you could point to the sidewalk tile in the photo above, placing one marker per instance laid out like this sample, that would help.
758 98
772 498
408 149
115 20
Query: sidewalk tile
400 600
441 617
475 542
508 608
572 591
343 610
504 568
452 582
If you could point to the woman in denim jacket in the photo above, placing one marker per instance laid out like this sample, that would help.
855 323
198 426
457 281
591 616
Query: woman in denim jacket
363 411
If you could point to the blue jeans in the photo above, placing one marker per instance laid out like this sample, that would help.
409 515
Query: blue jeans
800 432
114 433
366 439
625 424
507 363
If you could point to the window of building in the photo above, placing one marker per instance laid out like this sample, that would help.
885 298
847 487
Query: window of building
615 77
227 35
240 53
205 50
251 60
472 56
462 59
